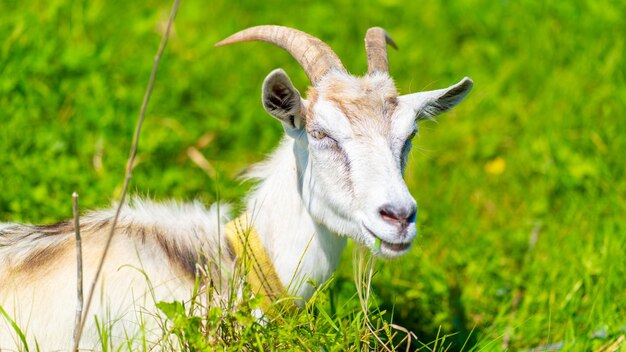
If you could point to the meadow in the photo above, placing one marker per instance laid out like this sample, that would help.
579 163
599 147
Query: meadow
520 188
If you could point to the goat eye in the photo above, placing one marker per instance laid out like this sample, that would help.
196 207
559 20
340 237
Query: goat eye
407 146
408 143
317 134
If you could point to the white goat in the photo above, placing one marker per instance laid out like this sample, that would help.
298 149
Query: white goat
337 173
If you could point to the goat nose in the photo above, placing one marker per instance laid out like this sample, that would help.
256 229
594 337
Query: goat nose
398 216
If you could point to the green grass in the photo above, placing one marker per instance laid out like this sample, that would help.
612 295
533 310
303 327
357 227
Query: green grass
535 152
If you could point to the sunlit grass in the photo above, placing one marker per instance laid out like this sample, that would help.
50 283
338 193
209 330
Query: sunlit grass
534 154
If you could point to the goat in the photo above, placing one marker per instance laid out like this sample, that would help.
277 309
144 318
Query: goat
337 174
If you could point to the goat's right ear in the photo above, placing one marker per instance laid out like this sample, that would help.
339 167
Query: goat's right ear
282 100
431 103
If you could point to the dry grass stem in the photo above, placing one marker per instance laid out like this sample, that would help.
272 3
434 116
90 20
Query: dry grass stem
408 338
612 346
79 271
196 156
364 264
129 164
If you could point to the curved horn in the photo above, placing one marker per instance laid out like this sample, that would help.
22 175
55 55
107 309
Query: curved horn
315 56
376 40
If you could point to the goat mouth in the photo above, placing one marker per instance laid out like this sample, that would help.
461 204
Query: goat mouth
394 247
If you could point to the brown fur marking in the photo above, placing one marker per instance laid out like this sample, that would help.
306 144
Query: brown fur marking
42 256
183 257
44 253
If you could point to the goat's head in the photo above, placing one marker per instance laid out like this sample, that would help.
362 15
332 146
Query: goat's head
353 135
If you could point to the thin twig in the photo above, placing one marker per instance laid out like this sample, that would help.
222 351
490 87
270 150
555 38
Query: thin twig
130 162
79 271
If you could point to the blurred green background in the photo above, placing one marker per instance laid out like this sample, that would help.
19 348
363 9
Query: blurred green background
521 188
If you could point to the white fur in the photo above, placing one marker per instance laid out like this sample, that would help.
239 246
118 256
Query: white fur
301 248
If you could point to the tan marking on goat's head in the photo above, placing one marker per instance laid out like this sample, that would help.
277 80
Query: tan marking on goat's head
368 102
312 95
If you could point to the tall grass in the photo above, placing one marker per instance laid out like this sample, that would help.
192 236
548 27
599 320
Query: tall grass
534 154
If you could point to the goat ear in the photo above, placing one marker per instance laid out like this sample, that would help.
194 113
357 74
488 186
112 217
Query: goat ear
282 100
434 102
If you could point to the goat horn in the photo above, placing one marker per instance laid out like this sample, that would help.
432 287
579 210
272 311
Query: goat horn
376 40
315 56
